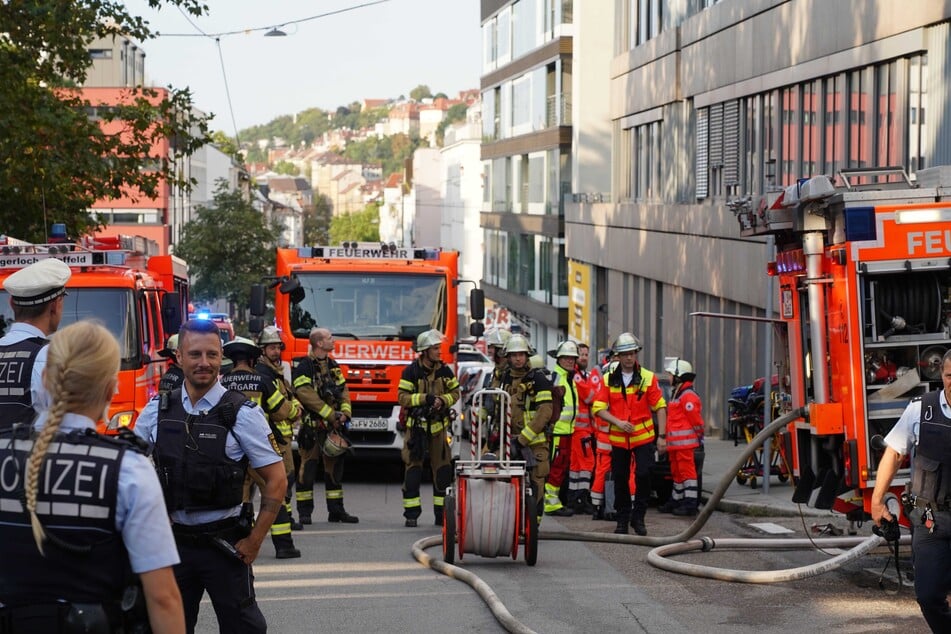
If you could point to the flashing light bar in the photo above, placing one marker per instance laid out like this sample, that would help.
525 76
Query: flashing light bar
921 216
369 251
790 262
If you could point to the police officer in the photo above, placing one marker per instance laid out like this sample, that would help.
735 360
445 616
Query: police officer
428 389
924 429
37 295
530 392
72 550
322 390
262 391
173 377
629 398
204 439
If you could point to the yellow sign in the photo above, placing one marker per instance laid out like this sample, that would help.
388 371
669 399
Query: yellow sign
579 301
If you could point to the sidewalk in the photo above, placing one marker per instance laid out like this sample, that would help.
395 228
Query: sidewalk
720 458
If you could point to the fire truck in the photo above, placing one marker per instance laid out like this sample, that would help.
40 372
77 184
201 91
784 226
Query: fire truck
138 296
864 280
375 299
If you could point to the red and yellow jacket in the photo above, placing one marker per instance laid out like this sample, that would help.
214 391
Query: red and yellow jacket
684 419
634 403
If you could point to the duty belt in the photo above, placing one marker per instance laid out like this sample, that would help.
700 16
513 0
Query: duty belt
920 503
228 528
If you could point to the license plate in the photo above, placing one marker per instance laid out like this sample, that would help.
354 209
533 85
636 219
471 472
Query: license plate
368 424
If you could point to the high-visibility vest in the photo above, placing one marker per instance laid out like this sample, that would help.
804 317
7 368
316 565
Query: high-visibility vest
566 421
634 403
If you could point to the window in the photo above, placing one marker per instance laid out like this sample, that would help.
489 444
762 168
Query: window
646 163
525 27
645 20
701 168
100 53
917 100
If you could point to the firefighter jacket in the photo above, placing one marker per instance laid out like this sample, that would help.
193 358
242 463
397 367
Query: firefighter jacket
189 454
418 381
569 411
587 385
530 392
684 418
173 378
288 411
321 388
931 466
76 501
634 403
16 402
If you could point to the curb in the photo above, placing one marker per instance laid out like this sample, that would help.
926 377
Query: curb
757 509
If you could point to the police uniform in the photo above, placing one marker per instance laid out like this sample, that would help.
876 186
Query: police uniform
204 496
23 348
122 533
924 431
322 390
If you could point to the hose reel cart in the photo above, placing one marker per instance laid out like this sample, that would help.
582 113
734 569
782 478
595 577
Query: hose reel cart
490 508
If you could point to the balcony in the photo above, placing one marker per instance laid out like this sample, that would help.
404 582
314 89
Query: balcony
558 110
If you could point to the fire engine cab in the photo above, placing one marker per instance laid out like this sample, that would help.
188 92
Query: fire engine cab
864 277
138 296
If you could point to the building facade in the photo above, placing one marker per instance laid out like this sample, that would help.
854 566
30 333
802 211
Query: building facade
715 100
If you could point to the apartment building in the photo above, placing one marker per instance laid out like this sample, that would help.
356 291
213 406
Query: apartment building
715 99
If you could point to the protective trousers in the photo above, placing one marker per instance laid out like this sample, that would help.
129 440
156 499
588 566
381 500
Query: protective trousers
333 478
602 467
281 528
931 552
683 472
558 470
582 464
306 475
539 474
439 461
641 458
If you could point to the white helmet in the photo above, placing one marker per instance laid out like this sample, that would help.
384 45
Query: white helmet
536 361
565 349
517 343
626 342
428 339
497 337
677 367
335 445
241 347
270 334
170 347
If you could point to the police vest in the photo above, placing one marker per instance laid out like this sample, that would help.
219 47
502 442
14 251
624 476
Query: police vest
193 468
173 378
16 374
931 468
86 560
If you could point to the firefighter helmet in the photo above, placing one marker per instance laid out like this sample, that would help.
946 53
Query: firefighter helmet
517 343
497 337
626 342
536 361
428 339
677 367
335 444
241 348
565 349
171 346
270 334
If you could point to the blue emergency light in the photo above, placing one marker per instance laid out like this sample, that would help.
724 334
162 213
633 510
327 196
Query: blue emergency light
860 224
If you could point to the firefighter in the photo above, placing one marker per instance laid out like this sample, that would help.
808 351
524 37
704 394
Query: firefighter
602 456
530 392
924 431
37 295
495 341
581 468
60 566
566 356
202 473
322 390
173 377
427 391
272 369
264 392
684 434
629 396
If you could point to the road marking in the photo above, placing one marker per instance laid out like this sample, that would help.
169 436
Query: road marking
770 528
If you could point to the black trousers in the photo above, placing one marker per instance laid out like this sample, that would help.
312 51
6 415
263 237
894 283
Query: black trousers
643 457
932 556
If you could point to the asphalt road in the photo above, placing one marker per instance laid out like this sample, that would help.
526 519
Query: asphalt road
363 578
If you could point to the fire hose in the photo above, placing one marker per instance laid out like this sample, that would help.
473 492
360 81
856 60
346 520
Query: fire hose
681 543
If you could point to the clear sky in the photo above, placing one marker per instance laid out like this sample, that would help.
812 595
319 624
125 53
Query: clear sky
379 51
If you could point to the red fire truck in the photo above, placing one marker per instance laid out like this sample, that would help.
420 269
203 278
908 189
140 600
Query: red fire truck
864 276
375 299
139 297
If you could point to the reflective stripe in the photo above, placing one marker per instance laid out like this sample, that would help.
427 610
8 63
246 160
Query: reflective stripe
305 496
302 380
411 503
529 435
325 411
275 401
407 386
281 529
438 500
334 494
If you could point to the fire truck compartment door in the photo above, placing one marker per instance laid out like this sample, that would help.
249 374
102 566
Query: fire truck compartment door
826 418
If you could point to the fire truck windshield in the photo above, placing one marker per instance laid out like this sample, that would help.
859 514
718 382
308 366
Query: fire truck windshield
370 305
113 308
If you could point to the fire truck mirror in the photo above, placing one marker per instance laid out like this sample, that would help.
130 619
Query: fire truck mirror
258 300
476 329
255 325
477 304
172 312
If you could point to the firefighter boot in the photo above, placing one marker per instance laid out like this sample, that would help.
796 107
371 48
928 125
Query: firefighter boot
687 509
622 525
669 506
438 513
583 505
336 513
597 513
637 518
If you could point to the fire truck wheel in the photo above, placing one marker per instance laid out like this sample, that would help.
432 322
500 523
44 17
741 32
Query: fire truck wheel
531 530
449 529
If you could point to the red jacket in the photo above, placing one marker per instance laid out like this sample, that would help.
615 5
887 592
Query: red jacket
684 419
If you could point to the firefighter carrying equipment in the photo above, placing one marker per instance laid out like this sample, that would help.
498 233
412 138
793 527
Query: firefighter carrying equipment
626 342
241 347
271 334
427 339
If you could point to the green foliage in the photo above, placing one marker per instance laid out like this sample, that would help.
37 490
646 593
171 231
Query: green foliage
55 160
455 113
420 92
286 167
390 151
362 226
317 221
228 247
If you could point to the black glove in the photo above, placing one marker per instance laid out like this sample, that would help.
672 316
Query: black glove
430 400
529 458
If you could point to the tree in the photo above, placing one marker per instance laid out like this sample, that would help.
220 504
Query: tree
228 247
287 168
362 226
455 113
227 145
420 92
317 220
55 159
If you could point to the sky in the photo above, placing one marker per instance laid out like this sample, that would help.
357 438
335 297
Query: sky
379 51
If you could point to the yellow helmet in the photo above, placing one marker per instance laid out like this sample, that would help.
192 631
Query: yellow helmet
626 342
428 339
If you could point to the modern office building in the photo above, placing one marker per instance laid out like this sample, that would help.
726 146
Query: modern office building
714 100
